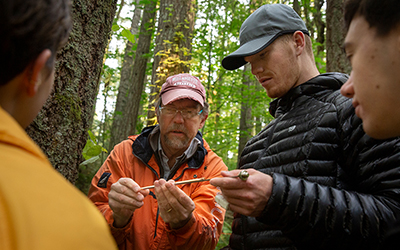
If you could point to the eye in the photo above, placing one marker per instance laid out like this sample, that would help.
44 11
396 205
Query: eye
349 56
347 52
169 110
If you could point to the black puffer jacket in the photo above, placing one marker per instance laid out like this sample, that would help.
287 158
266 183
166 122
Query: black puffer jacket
334 187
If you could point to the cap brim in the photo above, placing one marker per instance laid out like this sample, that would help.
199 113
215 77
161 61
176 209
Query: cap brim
236 59
177 94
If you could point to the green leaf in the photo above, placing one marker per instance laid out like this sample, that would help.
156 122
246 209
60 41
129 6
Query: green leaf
92 137
127 33
90 160
115 27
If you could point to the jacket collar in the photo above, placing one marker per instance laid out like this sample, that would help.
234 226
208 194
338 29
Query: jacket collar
318 85
141 148
13 134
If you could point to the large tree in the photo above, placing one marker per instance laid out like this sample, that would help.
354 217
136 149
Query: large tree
335 57
61 127
173 45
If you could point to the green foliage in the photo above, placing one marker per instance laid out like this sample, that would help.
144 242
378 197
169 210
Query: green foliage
92 150
88 168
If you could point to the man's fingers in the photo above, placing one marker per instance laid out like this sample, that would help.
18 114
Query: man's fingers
170 196
130 184
128 187
178 197
228 183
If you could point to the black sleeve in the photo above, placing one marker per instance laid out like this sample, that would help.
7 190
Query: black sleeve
355 214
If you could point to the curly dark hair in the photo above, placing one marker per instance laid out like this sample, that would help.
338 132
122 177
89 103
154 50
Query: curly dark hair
383 15
28 27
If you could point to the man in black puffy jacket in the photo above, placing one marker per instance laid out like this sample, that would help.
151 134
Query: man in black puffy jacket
317 181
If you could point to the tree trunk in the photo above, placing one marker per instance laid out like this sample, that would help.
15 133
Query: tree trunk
173 46
61 126
320 25
139 71
246 124
296 7
120 125
307 10
335 57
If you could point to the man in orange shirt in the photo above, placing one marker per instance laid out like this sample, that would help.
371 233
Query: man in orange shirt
168 216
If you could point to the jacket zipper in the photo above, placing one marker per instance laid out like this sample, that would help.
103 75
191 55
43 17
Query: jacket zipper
157 175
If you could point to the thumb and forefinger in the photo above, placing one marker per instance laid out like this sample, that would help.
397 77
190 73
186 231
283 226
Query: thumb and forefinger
224 182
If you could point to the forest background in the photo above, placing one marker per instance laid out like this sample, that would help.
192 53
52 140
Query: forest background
120 52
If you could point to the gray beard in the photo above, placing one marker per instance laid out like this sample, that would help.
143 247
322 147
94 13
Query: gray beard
176 143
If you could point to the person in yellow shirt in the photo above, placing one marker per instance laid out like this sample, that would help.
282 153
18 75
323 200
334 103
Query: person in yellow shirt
39 209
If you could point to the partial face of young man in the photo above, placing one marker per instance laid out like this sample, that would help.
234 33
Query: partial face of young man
24 96
374 83
276 67
176 131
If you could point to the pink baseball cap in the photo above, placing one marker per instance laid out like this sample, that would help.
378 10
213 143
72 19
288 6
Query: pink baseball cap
182 86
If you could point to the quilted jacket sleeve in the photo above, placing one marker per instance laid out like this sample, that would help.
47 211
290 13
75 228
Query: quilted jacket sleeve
348 216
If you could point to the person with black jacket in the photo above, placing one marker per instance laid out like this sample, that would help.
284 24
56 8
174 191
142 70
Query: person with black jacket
372 45
316 180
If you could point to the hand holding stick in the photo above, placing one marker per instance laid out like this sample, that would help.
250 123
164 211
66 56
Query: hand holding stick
243 175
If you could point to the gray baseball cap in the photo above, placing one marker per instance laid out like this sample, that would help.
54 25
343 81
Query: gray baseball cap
261 28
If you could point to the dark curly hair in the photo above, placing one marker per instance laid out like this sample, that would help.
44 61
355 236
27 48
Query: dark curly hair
383 15
28 27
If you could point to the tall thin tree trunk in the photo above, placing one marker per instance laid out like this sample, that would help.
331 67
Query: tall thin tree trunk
139 71
173 46
307 15
320 25
61 126
246 124
335 57
120 118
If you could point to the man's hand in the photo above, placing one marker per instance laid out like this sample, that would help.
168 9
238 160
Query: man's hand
176 208
245 197
124 198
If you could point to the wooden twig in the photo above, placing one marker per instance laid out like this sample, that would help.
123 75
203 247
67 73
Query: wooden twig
182 182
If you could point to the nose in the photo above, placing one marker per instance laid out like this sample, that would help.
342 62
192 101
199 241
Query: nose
178 118
256 68
347 89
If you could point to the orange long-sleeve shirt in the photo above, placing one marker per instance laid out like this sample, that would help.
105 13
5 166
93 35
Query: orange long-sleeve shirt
147 230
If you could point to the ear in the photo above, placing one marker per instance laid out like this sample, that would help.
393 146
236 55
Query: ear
33 73
300 41
203 121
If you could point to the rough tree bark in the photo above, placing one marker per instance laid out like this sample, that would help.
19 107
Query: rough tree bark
61 126
335 57
173 46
